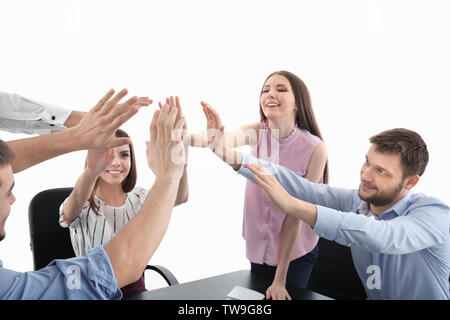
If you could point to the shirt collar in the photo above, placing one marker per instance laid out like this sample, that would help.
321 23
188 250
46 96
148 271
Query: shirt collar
399 207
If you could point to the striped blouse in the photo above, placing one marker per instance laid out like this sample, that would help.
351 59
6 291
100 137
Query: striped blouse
90 230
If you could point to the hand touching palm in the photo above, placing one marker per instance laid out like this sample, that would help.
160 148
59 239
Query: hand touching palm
214 126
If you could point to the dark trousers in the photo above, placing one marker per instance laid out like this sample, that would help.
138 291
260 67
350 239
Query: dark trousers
299 269
135 287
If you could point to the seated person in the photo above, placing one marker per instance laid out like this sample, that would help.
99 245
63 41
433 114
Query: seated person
107 268
105 198
399 239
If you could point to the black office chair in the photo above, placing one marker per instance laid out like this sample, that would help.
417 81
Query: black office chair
334 273
50 241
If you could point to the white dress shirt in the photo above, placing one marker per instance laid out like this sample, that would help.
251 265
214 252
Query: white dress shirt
22 115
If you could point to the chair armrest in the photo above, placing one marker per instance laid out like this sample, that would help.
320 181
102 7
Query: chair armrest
164 272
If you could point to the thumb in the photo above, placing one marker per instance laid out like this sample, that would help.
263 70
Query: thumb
117 142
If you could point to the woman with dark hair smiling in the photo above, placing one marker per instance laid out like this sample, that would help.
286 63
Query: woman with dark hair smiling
105 198
278 246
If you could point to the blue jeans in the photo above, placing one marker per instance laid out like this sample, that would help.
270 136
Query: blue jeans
299 269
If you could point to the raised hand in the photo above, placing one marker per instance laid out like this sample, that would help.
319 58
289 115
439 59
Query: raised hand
214 127
280 197
98 160
96 130
165 150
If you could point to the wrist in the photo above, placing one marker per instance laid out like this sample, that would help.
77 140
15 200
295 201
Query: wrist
279 282
168 178
91 173
74 118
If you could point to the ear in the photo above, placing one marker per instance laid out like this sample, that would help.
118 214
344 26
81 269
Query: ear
411 181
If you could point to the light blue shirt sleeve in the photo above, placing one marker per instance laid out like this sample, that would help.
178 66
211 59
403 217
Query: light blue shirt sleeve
88 277
301 188
423 225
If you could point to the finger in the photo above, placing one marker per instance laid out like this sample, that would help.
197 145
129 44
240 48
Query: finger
144 101
205 111
153 130
261 182
288 297
115 100
160 105
178 104
178 130
117 142
169 124
165 110
268 295
161 122
255 168
122 118
103 100
172 101
172 117
119 109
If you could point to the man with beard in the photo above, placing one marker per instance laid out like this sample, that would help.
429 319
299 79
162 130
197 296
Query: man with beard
399 240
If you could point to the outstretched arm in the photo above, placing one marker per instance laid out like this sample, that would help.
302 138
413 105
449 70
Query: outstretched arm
244 135
97 162
131 249
183 188
94 131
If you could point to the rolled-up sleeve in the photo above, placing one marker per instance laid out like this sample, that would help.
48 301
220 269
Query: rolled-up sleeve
88 277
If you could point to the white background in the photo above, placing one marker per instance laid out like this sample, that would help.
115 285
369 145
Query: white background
369 65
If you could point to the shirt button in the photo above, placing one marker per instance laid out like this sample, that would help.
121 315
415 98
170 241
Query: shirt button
53 117
322 234
349 244
52 125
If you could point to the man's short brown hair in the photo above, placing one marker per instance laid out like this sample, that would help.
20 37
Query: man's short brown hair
6 155
410 145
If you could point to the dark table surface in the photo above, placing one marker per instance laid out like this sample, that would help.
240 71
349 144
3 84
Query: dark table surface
217 288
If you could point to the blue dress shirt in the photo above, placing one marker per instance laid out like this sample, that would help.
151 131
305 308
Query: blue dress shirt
402 254
88 277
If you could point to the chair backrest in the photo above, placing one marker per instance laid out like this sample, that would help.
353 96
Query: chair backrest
334 273
49 240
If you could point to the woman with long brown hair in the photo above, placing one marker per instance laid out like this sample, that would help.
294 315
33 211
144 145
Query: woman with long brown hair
105 198
287 133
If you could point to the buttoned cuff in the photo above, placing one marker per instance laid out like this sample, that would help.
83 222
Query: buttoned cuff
244 171
55 117
327 223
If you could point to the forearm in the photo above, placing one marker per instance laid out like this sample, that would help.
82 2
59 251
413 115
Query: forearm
304 211
31 151
79 196
230 156
131 249
291 228
183 189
